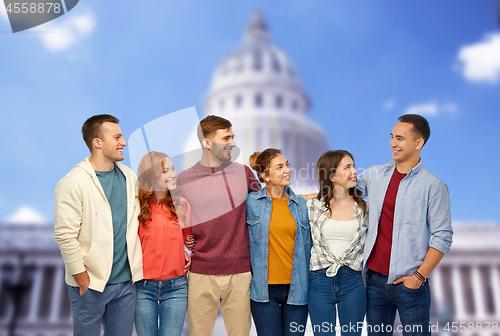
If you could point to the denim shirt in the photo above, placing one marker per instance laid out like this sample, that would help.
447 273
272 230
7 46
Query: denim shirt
259 207
422 216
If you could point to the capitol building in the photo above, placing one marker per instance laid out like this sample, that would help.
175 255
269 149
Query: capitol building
258 89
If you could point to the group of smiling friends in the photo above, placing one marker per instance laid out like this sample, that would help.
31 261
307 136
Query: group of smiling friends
363 245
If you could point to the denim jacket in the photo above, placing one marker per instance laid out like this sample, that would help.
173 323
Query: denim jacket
259 207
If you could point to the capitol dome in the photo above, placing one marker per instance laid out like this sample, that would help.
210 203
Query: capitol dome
256 62
258 89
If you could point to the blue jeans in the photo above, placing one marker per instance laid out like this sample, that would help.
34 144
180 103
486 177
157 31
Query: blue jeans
276 317
165 300
345 291
384 299
113 308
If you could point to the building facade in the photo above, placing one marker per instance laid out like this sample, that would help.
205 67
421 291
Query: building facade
465 286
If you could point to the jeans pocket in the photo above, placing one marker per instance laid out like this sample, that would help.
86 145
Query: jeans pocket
181 282
370 275
314 275
86 292
351 272
73 293
412 290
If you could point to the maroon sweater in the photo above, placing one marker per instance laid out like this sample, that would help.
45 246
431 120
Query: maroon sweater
218 215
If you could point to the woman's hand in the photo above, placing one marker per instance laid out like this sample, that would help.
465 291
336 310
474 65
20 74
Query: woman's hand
190 242
187 259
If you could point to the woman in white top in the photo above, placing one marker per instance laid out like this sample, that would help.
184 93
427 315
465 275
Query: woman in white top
339 220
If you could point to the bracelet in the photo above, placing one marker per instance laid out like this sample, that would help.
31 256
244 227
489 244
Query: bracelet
419 276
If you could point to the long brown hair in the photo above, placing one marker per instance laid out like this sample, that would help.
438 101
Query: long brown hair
326 168
150 167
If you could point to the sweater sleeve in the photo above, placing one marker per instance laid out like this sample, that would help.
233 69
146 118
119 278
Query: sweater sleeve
186 226
68 214
252 182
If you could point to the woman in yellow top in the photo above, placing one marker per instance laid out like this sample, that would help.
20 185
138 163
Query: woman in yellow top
280 247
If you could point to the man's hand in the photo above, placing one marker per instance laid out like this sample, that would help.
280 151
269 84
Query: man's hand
410 281
83 281
187 258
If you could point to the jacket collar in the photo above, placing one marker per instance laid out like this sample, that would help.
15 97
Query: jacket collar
262 193
87 166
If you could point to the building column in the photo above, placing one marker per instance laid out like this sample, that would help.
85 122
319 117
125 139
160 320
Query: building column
458 293
1 289
478 293
438 292
35 295
1 281
55 307
495 287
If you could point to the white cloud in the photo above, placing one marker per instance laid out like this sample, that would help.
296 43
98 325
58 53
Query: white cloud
26 215
65 32
480 62
389 104
432 109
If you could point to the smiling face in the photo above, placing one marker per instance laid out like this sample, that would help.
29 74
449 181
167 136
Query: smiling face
221 145
167 178
278 173
111 142
345 175
405 143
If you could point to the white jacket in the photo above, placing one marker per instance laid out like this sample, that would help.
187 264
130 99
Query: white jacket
84 226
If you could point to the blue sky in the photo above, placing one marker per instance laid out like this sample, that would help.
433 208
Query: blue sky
362 63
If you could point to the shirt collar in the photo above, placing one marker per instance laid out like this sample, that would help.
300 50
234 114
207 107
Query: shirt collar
322 207
392 165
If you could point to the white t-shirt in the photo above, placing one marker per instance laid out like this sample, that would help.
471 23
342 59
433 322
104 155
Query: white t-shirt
338 234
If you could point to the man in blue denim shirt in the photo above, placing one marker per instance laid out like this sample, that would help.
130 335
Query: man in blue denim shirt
409 233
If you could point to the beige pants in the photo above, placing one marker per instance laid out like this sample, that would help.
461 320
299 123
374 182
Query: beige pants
204 293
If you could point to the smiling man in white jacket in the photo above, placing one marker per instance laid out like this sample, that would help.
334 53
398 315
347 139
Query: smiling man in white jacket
96 229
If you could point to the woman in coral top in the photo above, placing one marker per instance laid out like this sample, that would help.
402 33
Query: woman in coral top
164 226
280 249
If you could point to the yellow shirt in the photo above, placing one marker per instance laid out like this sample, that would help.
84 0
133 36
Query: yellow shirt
281 243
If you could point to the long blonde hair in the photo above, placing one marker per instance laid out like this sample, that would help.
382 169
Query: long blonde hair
150 167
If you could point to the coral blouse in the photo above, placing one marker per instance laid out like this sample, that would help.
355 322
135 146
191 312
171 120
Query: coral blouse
162 241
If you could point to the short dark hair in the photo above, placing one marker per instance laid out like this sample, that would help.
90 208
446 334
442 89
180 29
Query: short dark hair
420 125
211 124
91 128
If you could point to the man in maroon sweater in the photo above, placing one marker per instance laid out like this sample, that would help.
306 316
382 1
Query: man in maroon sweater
216 189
